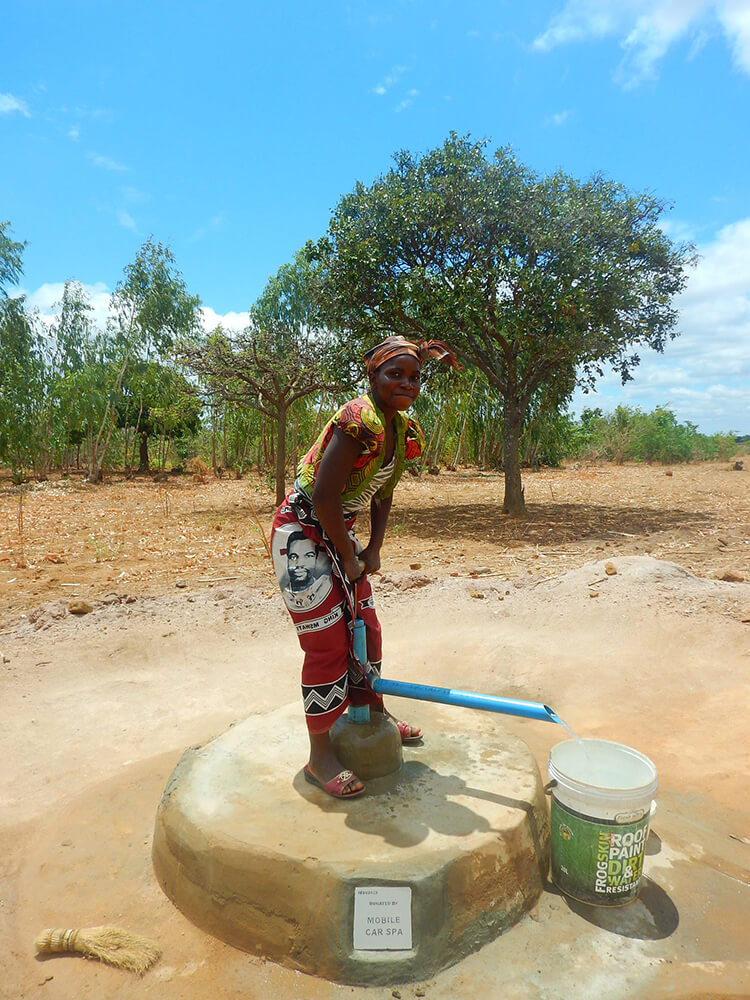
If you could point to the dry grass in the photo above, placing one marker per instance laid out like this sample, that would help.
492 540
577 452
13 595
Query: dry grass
65 537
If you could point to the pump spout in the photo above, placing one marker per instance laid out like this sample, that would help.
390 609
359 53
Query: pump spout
466 699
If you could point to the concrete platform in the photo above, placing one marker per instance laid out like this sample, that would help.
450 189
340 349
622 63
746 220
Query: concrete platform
254 854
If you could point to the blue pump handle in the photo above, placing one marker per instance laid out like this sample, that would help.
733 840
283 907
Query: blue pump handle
466 699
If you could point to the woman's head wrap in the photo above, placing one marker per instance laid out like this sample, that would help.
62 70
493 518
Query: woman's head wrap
391 347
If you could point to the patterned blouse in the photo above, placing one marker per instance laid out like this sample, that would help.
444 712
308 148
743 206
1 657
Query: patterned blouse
361 419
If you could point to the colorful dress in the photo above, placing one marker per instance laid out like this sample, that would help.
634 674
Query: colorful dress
322 602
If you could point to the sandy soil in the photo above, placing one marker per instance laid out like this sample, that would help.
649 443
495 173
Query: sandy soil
100 706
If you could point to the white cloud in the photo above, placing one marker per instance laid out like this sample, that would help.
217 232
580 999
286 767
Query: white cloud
580 20
558 119
46 300
724 267
734 17
213 224
74 133
132 195
9 104
704 374
407 101
234 321
389 81
106 162
82 111
126 220
647 29
678 230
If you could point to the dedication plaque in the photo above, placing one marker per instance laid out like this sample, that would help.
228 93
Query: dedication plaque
382 917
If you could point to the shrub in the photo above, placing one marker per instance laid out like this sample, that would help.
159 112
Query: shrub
197 466
630 435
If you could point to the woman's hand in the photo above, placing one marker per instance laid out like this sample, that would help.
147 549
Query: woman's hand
354 567
371 558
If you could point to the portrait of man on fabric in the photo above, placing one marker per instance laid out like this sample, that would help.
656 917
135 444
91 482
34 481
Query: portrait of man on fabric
305 568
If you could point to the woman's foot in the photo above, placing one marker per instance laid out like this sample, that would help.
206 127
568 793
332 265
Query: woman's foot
409 734
324 767
342 786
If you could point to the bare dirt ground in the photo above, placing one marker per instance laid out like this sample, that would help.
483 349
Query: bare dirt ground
187 634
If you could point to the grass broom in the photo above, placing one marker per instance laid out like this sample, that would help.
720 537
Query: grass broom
108 944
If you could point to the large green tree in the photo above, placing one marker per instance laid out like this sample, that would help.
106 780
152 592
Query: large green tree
72 393
150 310
157 402
22 387
538 281
22 364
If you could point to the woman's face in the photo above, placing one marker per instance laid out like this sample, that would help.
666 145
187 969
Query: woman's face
395 383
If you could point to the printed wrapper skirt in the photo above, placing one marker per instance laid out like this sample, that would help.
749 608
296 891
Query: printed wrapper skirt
323 604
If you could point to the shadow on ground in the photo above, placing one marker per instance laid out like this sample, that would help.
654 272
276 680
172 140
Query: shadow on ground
651 917
546 523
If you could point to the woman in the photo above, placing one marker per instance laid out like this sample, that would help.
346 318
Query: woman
356 462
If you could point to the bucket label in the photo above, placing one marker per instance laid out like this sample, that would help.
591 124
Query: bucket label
596 861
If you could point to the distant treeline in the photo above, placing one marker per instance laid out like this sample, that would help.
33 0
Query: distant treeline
550 437
152 390
460 419
630 435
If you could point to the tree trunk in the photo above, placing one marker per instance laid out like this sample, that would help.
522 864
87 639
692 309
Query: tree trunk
96 461
429 456
224 459
295 441
143 463
513 503
281 455
96 474
267 452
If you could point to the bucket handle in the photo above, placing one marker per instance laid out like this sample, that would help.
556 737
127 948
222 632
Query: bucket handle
549 786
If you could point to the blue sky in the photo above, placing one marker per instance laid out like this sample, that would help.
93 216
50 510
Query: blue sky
231 130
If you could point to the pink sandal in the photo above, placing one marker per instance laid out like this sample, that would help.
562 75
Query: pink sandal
407 733
335 786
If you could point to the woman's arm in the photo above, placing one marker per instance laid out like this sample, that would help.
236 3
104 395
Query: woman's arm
335 465
379 511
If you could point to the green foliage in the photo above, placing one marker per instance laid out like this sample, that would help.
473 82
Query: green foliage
66 389
550 436
537 281
630 435
284 356
267 392
11 265
23 368
23 377
157 401
150 310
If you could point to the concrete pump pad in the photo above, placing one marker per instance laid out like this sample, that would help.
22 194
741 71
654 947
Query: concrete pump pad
254 854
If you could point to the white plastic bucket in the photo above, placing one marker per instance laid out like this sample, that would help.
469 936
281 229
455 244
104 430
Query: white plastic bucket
602 796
